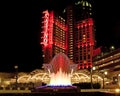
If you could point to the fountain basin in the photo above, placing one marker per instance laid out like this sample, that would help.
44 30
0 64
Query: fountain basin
58 89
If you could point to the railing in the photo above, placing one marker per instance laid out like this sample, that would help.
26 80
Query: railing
18 90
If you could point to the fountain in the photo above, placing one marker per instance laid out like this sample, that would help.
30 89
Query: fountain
60 72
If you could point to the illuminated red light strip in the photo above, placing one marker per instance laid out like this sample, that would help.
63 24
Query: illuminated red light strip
50 41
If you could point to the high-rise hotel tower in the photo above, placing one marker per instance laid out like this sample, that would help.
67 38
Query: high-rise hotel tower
83 34
73 35
54 35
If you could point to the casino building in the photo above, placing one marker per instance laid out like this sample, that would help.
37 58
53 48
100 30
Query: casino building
73 35
54 34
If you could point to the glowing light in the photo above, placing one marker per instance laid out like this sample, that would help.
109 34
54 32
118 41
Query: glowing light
45 30
118 74
93 68
112 48
105 72
60 79
117 90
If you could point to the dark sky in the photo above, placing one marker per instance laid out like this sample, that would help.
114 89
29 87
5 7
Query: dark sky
20 30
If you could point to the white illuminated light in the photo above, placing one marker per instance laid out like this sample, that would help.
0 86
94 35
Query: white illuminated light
94 68
105 73
117 90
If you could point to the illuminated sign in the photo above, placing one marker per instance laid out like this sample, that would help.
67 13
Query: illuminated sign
45 27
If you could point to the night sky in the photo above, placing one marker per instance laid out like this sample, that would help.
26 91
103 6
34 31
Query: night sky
20 30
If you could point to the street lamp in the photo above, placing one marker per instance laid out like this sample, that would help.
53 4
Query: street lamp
16 75
118 79
91 72
105 73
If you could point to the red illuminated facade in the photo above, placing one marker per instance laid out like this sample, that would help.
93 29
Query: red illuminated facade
73 36
84 40
81 33
54 35
70 23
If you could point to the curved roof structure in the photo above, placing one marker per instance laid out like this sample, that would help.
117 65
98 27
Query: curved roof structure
83 3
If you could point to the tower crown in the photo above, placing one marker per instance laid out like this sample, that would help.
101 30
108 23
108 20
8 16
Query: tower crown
83 3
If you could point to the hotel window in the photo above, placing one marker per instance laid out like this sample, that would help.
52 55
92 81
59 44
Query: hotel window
84 57
88 56
80 57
